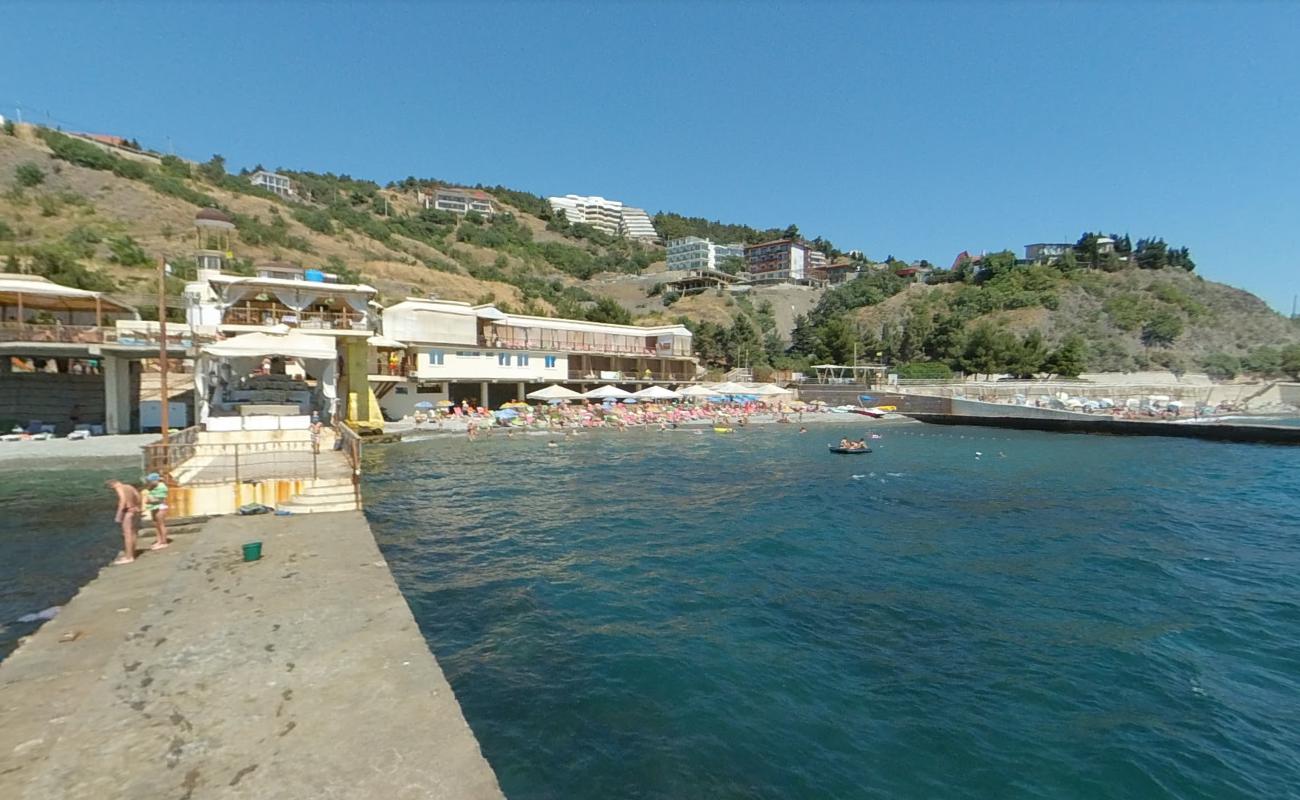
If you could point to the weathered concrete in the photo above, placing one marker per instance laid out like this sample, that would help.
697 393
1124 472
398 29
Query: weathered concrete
192 675
1211 431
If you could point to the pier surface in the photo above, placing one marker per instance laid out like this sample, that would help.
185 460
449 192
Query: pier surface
192 675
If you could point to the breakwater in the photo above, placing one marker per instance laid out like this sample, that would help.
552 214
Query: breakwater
191 674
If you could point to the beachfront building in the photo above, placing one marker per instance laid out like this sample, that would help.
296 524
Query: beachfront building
779 261
72 359
694 253
272 182
457 200
609 216
477 353
290 303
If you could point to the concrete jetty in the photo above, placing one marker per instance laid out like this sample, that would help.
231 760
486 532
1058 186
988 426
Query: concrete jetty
191 675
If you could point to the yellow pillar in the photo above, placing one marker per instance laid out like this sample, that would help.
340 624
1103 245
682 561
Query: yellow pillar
363 408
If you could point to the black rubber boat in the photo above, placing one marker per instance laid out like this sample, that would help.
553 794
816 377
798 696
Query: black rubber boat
849 451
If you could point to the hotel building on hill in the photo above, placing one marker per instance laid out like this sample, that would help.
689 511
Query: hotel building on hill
456 200
608 216
779 261
457 351
695 253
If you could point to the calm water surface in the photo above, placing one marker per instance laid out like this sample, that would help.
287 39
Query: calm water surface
678 616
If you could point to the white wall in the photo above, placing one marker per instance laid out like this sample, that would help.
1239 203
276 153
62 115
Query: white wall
418 325
486 367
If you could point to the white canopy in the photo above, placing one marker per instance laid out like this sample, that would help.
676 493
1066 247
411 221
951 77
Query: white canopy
386 343
731 388
554 392
768 390
656 393
698 391
606 392
290 345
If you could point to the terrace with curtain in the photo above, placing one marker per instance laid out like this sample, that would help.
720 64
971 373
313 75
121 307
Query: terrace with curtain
303 305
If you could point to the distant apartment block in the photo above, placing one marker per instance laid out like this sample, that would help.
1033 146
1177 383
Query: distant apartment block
1046 251
272 182
817 261
693 252
456 200
608 216
779 261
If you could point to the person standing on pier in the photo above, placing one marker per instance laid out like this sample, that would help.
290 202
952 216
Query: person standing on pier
156 507
128 511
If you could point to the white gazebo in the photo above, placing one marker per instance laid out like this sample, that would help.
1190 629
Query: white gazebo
221 364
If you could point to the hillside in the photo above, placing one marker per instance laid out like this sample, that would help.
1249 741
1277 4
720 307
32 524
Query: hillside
98 217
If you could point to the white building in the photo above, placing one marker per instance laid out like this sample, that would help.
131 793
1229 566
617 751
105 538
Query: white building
272 182
456 351
693 253
609 216
1046 251
457 200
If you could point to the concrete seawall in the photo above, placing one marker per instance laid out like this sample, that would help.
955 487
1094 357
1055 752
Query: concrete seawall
1075 423
190 674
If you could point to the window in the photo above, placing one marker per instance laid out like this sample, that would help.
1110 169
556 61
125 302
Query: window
429 388
436 358
401 390
503 359
550 362
522 360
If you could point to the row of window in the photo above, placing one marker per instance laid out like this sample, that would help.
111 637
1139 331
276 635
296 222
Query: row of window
437 358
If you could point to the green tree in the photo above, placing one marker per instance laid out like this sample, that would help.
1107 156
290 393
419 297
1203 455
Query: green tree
609 311
1265 360
1069 359
988 350
28 175
1291 361
1029 355
1162 329
1220 366
1151 253
732 265
214 169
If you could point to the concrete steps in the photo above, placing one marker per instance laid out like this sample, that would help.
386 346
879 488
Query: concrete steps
323 497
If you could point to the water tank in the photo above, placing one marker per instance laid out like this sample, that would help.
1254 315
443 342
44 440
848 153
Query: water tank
313 275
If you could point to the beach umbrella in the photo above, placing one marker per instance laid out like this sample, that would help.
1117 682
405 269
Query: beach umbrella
769 390
656 393
607 392
731 388
553 392
444 404
424 405
698 391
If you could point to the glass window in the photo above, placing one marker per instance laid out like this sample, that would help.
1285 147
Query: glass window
523 359
503 359
436 358
550 362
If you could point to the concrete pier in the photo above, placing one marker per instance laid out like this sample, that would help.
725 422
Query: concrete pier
191 675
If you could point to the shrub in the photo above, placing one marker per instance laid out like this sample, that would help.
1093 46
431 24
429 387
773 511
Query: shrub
10 130
29 175
315 219
929 370
125 251
6 233
1220 366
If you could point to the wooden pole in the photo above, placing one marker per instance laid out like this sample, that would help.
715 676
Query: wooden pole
162 352
22 324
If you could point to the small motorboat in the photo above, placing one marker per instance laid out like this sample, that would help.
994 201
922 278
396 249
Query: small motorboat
848 451
717 429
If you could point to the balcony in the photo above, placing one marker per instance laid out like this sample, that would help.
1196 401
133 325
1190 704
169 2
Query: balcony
552 341
383 366
651 376
305 320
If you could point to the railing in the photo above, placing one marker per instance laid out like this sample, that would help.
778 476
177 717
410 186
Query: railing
348 442
208 464
88 334
309 320
171 450
383 366
589 376
509 343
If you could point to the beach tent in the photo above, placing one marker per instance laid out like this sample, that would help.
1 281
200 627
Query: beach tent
555 392
656 393
769 390
242 354
607 392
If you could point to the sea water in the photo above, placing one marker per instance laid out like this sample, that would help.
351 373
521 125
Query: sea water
960 614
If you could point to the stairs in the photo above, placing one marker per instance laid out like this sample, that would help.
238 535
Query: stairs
324 496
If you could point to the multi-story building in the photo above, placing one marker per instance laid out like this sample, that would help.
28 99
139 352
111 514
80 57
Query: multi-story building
1046 251
272 182
609 216
693 252
457 200
817 261
456 351
780 261
635 224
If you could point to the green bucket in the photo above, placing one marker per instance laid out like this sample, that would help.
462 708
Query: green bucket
252 551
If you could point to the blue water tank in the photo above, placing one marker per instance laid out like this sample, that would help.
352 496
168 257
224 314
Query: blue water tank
313 275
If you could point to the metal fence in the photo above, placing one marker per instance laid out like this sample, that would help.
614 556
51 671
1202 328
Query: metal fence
348 442
204 464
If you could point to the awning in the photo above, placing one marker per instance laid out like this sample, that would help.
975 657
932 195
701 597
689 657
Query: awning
385 343
290 345
553 393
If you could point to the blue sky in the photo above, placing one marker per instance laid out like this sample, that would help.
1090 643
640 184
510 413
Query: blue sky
912 129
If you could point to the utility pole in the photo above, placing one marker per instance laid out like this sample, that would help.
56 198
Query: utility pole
162 352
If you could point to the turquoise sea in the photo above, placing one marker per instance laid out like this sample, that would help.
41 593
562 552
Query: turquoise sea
674 615
960 614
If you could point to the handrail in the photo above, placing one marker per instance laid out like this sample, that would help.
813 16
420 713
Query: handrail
349 442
